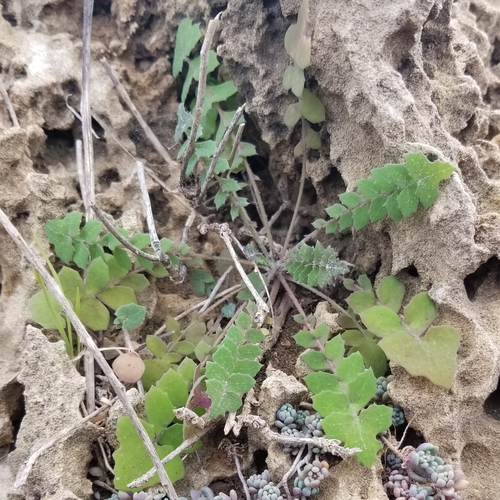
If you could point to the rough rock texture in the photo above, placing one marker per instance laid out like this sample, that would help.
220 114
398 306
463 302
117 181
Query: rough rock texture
53 393
399 76
394 76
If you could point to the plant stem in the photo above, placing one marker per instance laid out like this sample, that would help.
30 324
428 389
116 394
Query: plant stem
8 104
295 301
334 305
88 146
218 152
260 206
200 96
216 288
301 191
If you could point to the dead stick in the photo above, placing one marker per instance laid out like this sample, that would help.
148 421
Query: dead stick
89 343
8 104
147 130
88 146
200 96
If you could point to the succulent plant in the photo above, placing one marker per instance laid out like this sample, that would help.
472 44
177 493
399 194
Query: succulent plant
422 475
298 423
308 481
382 396
398 416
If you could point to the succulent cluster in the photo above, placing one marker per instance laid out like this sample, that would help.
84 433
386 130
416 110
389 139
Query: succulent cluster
141 495
382 397
206 493
299 424
308 481
422 475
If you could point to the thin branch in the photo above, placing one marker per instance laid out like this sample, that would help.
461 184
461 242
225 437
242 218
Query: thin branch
153 235
225 234
8 104
236 143
216 288
329 445
391 446
147 129
23 474
89 343
78 115
218 152
301 191
232 451
295 301
126 243
291 471
80 173
200 96
334 305
199 432
260 206
88 146
275 216
89 368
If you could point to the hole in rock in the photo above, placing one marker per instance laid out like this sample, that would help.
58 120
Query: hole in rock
217 6
269 3
71 87
98 130
495 56
108 176
10 18
485 280
259 460
102 7
58 143
412 271
159 204
492 404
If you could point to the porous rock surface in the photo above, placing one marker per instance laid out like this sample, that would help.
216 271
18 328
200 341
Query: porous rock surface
53 391
395 76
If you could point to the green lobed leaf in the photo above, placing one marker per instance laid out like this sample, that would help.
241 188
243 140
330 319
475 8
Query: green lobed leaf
90 231
390 293
335 211
129 316
202 281
61 232
381 321
359 431
292 115
420 313
132 460
334 350
318 382
156 346
137 282
81 256
40 311
312 108
186 369
176 388
188 35
361 300
159 409
71 281
184 122
154 371
305 339
361 217
433 356
351 199
408 200
294 80
93 314
298 38
97 276
373 356
365 283
315 360
117 296
222 401
428 174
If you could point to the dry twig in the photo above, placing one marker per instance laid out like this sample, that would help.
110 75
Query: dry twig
147 129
